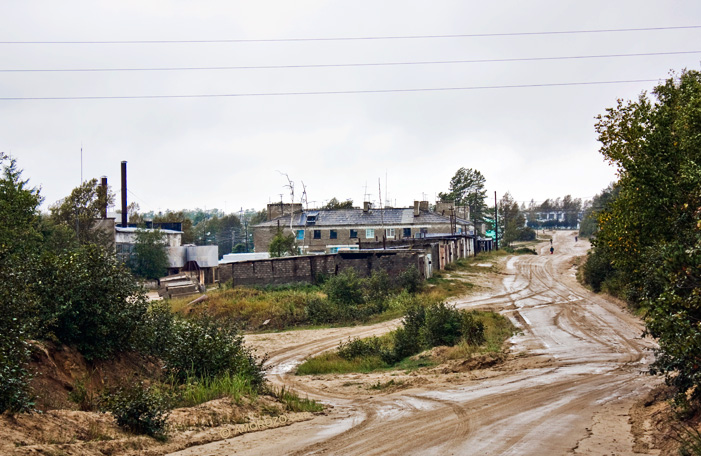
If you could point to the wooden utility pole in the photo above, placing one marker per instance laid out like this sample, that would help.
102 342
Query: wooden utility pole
496 223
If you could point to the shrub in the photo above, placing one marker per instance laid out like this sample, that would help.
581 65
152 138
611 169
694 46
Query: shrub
378 289
597 269
442 326
16 308
357 348
89 299
319 311
410 280
140 409
204 347
472 330
526 234
345 288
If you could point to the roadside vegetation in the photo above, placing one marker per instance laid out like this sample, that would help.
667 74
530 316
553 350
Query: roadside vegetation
423 327
344 299
63 285
646 228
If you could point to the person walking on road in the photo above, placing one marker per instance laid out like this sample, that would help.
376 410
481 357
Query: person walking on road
551 250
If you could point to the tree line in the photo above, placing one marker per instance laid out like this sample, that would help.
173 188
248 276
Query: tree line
646 227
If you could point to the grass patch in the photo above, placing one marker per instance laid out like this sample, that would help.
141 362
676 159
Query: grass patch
332 363
379 386
197 390
294 403
479 333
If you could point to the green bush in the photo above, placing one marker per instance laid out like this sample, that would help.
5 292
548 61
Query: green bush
356 348
140 409
410 279
204 347
88 299
472 330
320 311
442 326
597 269
345 288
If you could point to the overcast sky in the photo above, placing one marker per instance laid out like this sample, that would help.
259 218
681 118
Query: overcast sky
228 152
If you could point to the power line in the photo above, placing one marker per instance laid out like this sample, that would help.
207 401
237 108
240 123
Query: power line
364 38
338 65
332 92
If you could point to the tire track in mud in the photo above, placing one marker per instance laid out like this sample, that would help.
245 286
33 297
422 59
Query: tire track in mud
541 409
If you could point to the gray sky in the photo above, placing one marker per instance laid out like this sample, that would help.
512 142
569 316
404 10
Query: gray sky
225 152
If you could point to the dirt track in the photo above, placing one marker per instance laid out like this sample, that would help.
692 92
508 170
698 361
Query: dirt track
572 375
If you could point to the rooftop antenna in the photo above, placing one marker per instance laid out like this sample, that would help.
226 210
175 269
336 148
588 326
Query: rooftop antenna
366 195
382 215
304 200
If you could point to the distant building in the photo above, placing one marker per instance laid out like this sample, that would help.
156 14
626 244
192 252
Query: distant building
330 231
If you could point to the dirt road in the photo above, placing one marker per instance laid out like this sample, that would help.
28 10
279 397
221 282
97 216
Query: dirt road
573 373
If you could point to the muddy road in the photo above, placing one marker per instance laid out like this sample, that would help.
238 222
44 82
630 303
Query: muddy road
573 372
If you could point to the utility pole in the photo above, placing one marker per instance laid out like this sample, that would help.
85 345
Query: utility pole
496 223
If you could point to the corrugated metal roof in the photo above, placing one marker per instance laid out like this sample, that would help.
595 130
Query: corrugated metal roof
357 217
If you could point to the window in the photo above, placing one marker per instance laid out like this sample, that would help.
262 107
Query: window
389 232
354 234
407 232
300 235
333 234
370 234
317 234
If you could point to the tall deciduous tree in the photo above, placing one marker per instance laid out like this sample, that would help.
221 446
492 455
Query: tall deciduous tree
650 234
466 188
19 244
149 258
80 211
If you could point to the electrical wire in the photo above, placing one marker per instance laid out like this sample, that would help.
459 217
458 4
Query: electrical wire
365 38
332 92
341 65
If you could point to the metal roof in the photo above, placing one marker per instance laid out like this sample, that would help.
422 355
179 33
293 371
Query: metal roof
358 217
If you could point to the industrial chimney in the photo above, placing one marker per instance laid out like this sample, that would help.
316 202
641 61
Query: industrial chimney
124 194
104 192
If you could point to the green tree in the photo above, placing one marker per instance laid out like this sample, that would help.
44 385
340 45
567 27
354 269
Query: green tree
80 211
282 245
149 258
590 218
650 233
466 188
511 220
334 204
178 217
88 299
20 241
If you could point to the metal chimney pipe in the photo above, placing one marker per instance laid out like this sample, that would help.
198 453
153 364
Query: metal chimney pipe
124 194
104 192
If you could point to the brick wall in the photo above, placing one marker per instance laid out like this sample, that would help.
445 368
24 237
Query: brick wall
278 271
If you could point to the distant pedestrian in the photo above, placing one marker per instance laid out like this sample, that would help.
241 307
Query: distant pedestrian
575 239
551 241
551 250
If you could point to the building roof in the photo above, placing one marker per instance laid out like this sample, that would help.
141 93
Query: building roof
358 217
135 229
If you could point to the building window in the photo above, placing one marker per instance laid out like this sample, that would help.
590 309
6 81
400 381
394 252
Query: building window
333 234
317 234
300 235
370 234
389 232
407 232
354 234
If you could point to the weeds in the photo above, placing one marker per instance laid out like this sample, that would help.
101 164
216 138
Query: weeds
294 403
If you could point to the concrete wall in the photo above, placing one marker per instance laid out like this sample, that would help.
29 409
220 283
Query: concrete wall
278 271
